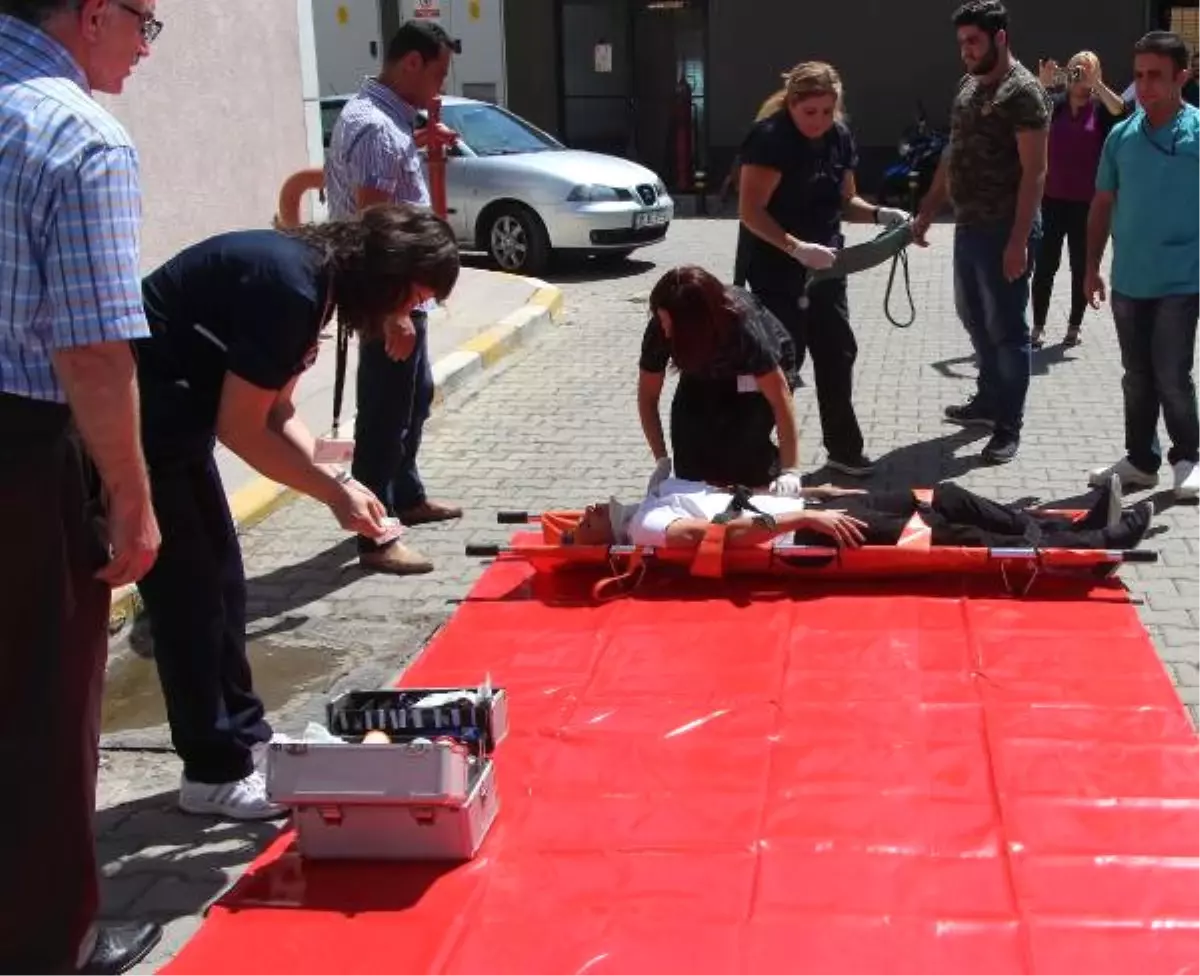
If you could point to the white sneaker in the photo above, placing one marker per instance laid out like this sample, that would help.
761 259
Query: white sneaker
1187 479
244 799
1130 476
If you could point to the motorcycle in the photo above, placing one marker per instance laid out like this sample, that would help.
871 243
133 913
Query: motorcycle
907 180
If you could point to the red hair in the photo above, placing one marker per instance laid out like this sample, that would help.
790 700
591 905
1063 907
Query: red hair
701 315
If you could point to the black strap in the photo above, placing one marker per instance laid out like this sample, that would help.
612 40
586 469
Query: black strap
339 377
739 504
900 259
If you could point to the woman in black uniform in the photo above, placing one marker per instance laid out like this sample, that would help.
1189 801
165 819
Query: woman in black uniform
234 322
797 184
737 369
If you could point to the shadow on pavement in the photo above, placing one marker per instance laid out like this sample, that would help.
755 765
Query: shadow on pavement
919 465
289 587
1040 363
574 269
165 864
569 268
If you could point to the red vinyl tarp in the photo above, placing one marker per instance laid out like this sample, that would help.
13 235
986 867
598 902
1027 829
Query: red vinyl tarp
756 776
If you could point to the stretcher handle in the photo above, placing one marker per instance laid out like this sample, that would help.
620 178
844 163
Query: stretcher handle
483 551
513 518
1139 556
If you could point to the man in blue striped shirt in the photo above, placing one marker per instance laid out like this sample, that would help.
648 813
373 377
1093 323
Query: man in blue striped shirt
374 158
70 299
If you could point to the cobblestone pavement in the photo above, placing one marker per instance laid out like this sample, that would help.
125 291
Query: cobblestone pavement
557 425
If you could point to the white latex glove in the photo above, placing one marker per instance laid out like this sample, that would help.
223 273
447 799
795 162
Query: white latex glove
813 256
788 484
889 216
662 471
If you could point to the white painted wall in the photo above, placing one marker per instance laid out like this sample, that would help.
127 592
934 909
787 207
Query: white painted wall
344 31
479 24
349 43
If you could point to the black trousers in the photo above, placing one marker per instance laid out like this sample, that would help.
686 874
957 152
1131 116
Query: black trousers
823 331
394 401
53 648
958 517
195 598
722 436
1062 220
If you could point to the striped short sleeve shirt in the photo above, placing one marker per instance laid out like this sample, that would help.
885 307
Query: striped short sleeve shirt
70 210
372 146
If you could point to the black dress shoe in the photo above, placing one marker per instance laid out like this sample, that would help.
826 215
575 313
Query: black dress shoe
121 947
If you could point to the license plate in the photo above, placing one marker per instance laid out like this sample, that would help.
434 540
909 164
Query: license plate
651 218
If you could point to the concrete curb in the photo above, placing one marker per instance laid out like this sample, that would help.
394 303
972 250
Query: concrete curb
253 503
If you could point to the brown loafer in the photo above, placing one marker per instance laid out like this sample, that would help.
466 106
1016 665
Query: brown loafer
396 559
430 512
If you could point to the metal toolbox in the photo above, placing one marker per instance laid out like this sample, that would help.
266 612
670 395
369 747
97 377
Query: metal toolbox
400 831
429 760
427 792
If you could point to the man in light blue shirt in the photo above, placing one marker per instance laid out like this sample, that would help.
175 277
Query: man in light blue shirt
374 158
70 299
1148 196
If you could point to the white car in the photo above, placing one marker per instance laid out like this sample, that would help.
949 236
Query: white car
519 194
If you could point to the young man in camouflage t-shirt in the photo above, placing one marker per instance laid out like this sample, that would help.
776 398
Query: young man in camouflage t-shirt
993 173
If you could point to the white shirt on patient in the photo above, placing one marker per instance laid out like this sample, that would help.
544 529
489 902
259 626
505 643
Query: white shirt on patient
676 499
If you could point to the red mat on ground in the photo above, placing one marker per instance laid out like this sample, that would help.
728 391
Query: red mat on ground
730 779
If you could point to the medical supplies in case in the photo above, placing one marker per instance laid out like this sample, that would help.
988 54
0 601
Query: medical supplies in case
402 773
468 714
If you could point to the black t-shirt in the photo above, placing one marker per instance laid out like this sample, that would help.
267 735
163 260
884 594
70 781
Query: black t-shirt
807 203
757 344
249 303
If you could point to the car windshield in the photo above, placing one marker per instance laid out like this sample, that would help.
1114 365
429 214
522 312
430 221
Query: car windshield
491 131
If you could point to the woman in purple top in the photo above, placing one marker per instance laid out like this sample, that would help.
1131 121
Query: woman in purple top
1084 111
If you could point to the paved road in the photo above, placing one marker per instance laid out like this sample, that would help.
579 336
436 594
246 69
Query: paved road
557 425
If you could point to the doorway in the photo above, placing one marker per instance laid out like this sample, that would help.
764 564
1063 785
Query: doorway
634 82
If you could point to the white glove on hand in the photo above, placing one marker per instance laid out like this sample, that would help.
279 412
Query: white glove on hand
813 256
890 216
662 471
788 484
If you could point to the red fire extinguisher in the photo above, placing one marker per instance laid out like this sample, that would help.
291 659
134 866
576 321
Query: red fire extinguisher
436 149
682 123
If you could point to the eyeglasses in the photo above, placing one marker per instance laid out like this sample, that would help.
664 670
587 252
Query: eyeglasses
151 26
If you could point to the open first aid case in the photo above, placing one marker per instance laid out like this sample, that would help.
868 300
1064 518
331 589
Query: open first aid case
428 793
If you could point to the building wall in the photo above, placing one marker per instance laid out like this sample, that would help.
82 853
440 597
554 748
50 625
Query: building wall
217 113
531 61
751 42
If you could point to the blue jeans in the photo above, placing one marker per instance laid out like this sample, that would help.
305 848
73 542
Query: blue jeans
394 400
993 311
1158 344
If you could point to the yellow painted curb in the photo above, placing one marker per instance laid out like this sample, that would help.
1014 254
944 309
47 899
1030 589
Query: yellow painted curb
252 503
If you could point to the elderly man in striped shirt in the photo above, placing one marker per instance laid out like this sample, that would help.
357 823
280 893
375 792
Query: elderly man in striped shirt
70 299
374 158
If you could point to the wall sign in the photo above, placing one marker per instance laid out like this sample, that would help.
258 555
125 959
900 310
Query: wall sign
603 58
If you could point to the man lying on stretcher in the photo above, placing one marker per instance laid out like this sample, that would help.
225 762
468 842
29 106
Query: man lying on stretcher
678 513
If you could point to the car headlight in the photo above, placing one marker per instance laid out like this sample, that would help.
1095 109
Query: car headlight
592 193
904 148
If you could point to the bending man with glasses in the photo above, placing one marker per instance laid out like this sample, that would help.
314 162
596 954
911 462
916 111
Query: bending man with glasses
74 494
1147 194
